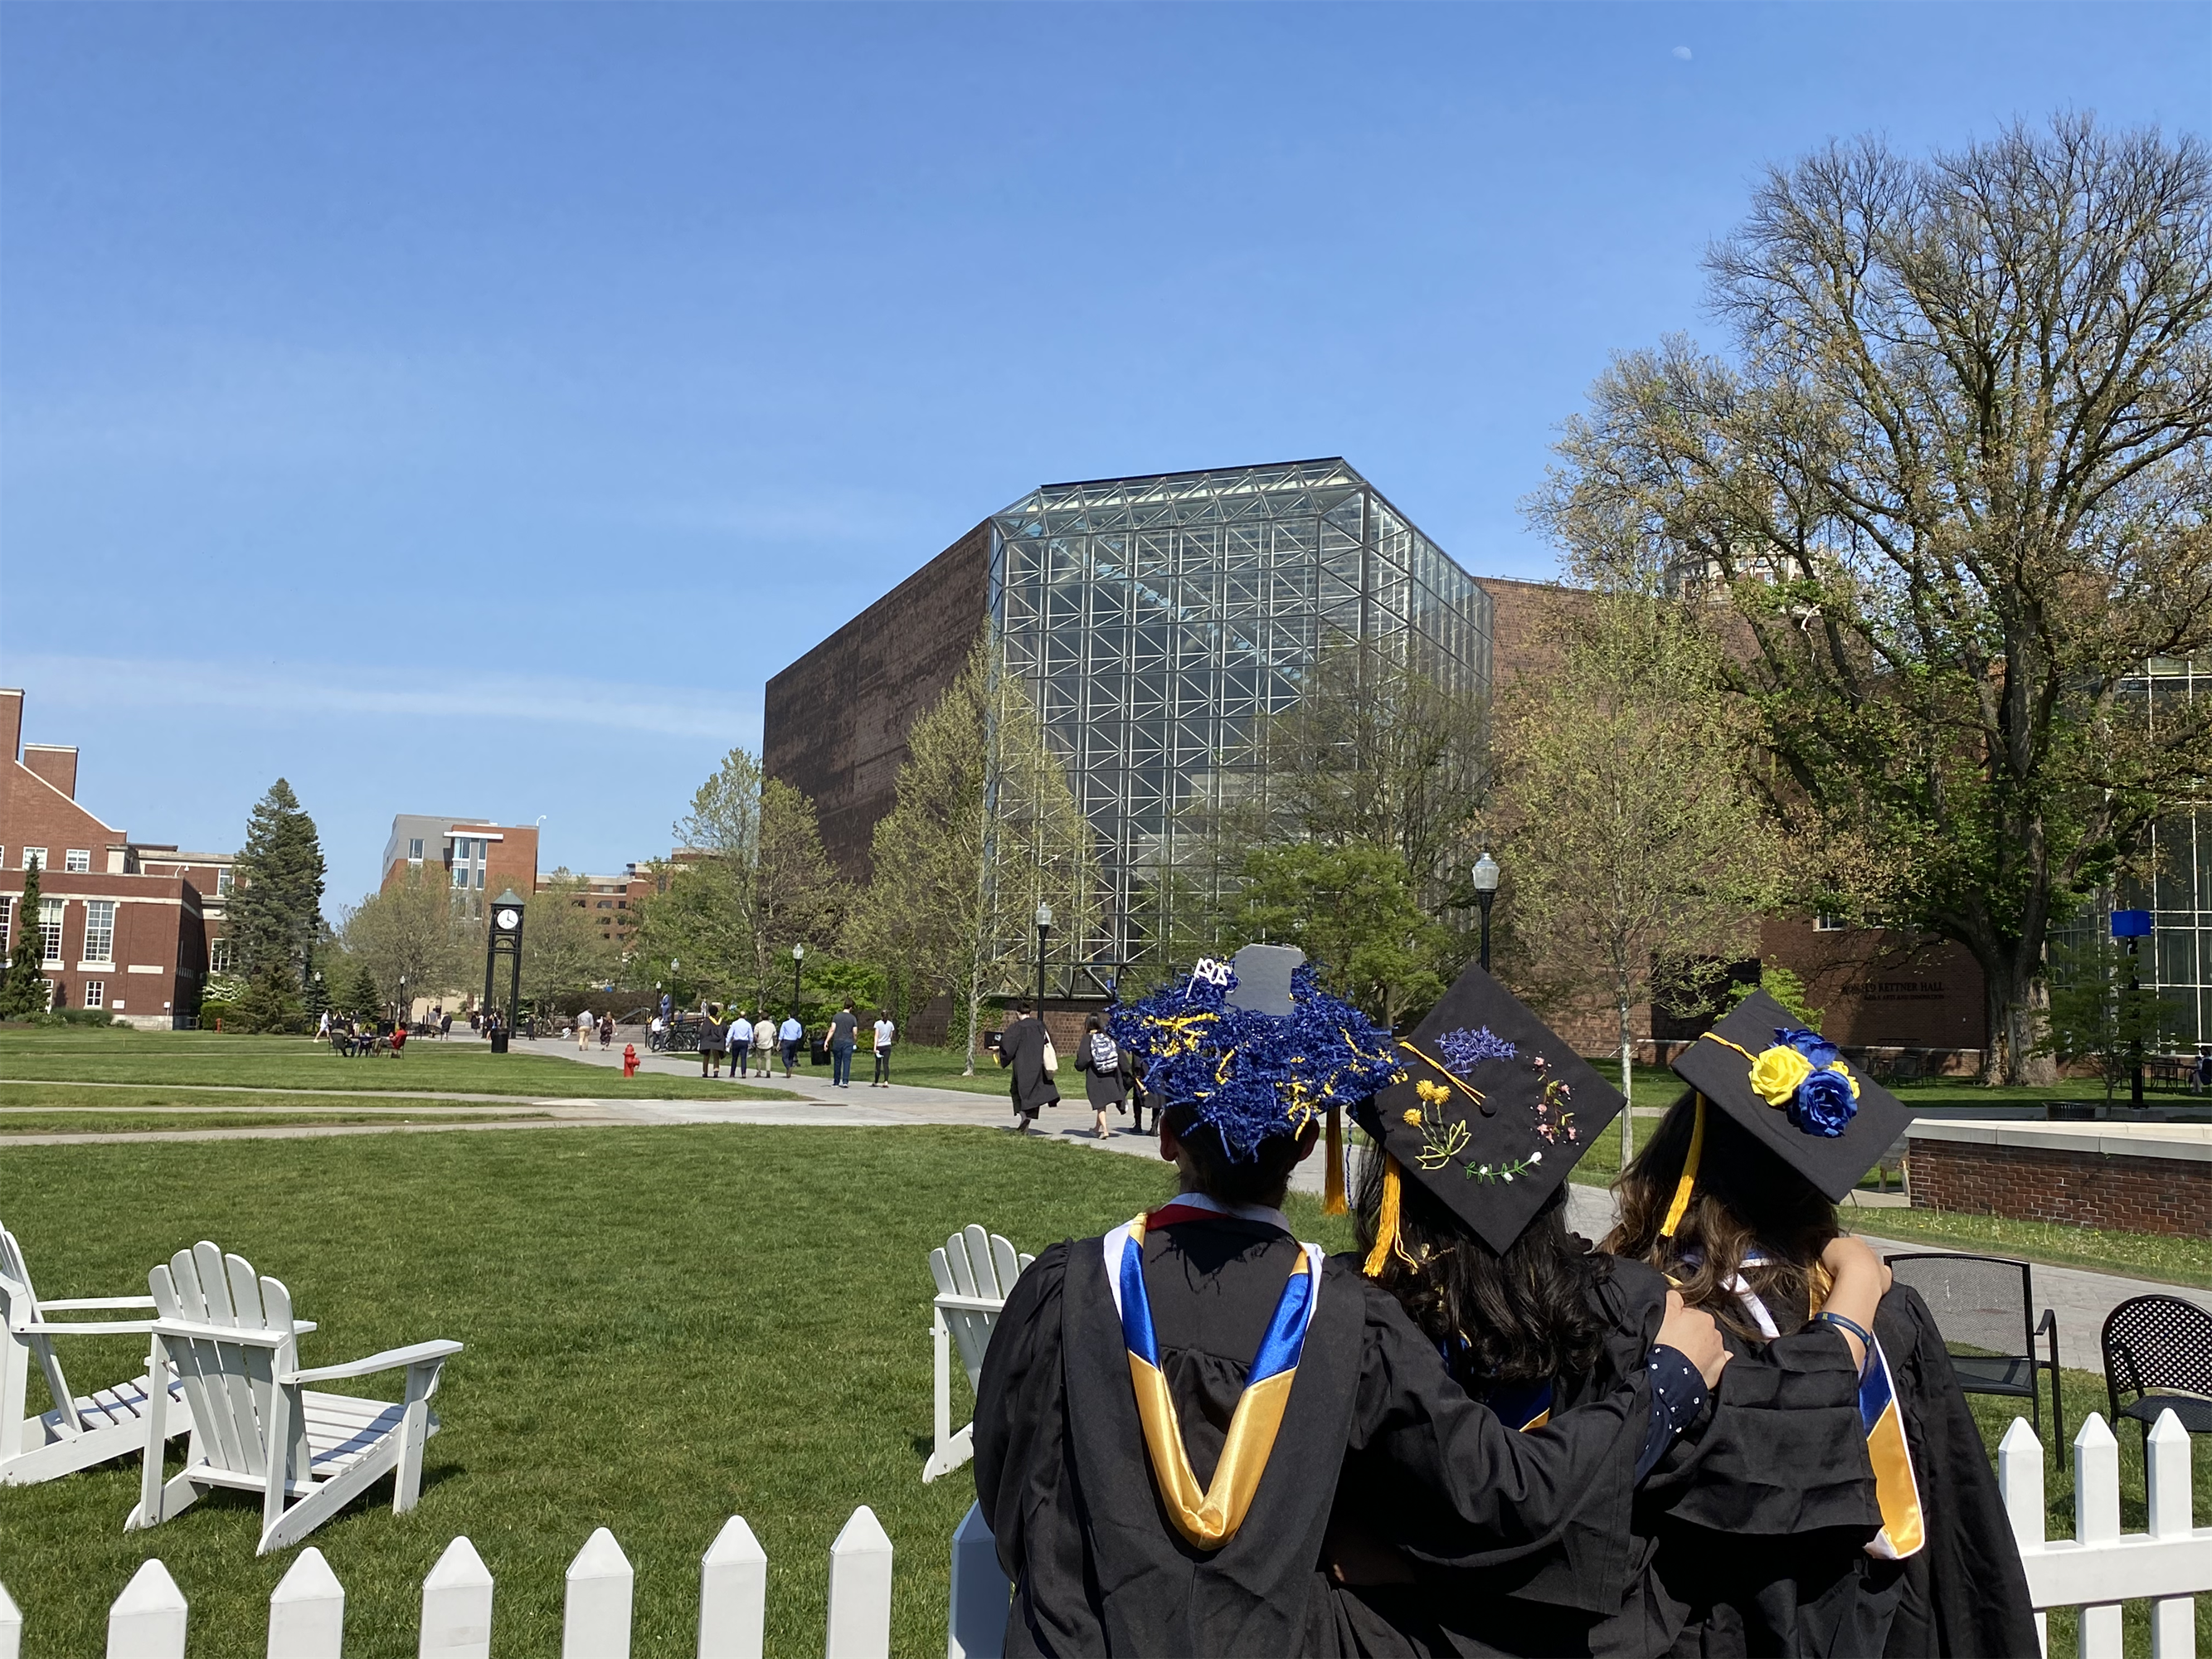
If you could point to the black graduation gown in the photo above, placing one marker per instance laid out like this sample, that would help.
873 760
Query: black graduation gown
1965 1594
1066 1487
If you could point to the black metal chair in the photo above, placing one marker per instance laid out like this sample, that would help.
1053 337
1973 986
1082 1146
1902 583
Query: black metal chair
2159 1343
1984 1305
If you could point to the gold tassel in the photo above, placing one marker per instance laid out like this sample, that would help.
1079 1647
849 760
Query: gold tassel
1332 1185
1689 1181
1386 1224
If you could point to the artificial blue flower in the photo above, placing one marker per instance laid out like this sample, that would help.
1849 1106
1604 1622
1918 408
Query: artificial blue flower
1817 1049
1824 1104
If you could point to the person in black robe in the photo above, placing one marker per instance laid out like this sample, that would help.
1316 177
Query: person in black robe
1461 1216
1770 1549
1096 1524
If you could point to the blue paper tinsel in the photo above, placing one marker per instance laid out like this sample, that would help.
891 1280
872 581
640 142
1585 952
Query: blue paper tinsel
1255 1076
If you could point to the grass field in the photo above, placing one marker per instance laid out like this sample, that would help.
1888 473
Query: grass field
118 1054
21 1122
664 1327
2171 1259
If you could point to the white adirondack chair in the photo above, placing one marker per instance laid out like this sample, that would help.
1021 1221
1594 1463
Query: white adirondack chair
80 1430
974 1273
230 1334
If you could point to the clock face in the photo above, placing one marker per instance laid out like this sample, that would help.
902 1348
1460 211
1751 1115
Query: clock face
509 919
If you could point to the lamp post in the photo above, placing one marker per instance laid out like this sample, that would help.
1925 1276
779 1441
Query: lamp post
2133 925
402 1000
797 956
1043 928
1485 892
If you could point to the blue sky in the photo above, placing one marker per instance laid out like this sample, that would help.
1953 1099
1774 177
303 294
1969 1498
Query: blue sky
467 409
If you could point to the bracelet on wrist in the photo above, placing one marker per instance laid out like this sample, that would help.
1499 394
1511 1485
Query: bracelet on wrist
1865 1336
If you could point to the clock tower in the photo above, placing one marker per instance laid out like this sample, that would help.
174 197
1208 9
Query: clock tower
503 937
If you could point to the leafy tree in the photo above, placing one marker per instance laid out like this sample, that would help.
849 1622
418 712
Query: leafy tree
986 827
753 881
1634 847
2100 1016
411 935
23 992
563 949
1351 908
1945 500
1783 985
275 909
273 1003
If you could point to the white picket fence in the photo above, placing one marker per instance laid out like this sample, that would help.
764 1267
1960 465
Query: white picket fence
307 1611
2096 1570
2100 1566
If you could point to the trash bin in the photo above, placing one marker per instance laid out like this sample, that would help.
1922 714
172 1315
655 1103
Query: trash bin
499 1041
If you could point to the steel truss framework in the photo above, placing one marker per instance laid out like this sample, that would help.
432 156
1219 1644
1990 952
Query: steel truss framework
1156 619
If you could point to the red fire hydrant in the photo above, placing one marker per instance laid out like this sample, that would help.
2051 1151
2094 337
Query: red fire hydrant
629 1059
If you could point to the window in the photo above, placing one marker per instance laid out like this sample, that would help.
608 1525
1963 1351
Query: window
95 994
7 915
480 875
1826 924
51 987
99 930
460 875
50 927
222 881
219 957
415 849
77 862
34 855
606 904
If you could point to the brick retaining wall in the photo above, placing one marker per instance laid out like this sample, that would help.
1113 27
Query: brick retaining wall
2081 1189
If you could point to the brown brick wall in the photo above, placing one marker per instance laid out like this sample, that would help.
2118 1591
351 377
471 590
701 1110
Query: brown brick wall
836 721
2077 1190
1525 621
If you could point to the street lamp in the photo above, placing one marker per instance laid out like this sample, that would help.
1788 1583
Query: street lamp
1043 928
2133 925
403 999
1485 890
797 956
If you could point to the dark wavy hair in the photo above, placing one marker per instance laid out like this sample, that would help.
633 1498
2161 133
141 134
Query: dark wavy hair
1524 1316
1744 1199
1262 1178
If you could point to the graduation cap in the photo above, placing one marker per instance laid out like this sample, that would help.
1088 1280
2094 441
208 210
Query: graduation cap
1790 1091
1255 1048
1496 1109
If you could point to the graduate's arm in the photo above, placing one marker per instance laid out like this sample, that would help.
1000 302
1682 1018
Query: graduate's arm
1021 1403
1451 1484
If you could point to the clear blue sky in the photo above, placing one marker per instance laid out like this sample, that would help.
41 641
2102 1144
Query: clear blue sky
467 407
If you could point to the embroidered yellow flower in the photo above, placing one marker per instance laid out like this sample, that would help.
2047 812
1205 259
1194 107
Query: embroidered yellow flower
1434 1093
1413 1119
1775 1074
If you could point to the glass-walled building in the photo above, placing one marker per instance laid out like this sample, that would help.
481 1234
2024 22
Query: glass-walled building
1157 619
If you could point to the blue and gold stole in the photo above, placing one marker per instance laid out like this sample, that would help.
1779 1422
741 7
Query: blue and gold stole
1897 1494
1209 1518
1523 1406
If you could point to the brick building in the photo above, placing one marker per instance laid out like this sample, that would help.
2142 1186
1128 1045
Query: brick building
474 855
122 925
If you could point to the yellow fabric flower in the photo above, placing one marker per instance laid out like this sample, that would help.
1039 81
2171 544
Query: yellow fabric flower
1435 1093
1775 1074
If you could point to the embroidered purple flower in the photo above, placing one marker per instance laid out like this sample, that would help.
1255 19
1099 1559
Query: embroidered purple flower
1824 1104
1819 1052
1463 1050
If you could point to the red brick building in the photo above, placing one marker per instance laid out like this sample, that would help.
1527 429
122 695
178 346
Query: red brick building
122 927
474 855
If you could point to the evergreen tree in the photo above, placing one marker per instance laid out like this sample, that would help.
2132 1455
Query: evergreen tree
271 1002
362 1000
24 991
276 906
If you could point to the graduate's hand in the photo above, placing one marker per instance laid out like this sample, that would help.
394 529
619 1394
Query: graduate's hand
1691 1333
1353 1556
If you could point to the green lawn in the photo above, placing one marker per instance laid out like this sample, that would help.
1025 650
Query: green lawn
19 1123
118 1054
939 1069
664 1327
2168 1258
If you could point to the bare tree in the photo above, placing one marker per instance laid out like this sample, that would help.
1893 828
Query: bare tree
1947 501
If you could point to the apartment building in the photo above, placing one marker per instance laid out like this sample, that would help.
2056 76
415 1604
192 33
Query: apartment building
472 855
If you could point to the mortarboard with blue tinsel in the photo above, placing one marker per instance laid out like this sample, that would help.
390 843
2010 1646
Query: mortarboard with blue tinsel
1256 1049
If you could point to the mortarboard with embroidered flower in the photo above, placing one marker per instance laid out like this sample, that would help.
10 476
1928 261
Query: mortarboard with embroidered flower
1256 1049
1495 1111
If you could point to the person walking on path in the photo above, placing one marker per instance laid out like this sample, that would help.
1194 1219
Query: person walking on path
741 1043
1099 1060
712 1036
1025 1048
444 1026
653 1034
584 1032
606 1032
885 1032
844 1037
790 1034
764 1042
